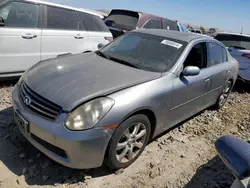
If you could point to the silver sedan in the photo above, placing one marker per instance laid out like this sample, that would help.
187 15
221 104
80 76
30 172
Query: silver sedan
82 109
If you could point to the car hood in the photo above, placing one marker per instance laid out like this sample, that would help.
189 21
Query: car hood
69 81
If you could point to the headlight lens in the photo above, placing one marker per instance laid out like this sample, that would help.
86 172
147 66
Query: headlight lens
89 114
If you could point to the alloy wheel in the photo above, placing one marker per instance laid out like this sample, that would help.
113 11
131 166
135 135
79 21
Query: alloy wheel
131 143
225 94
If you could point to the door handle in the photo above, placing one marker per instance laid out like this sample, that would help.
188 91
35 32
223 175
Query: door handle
78 36
228 71
207 79
28 36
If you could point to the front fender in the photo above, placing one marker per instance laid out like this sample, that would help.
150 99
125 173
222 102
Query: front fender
151 96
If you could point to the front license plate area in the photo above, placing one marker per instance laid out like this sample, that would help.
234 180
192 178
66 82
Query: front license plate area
21 121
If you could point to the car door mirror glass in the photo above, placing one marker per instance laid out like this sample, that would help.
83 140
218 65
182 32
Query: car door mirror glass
2 21
191 71
99 46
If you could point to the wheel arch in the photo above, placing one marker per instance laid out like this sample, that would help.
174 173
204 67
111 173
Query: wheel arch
149 113
231 80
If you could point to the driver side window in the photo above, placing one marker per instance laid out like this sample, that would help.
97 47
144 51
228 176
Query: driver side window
197 56
20 15
4 12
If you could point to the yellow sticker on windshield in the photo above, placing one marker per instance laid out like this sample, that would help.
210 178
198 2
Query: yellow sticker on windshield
171 43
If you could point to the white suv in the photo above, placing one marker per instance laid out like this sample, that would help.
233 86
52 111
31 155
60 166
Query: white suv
239 47
32 30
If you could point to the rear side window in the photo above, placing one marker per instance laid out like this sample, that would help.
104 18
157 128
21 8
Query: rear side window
64 19
224 55
169 25
22 15
92 22
215 54
153 24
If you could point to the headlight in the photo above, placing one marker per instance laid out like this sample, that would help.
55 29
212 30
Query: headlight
89 114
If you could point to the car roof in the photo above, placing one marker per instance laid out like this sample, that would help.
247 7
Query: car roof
66 7
231 33
183 36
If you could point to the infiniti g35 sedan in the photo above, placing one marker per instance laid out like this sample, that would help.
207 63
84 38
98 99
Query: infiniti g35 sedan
104 106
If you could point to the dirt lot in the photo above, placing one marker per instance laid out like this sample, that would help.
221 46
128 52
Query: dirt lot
182 157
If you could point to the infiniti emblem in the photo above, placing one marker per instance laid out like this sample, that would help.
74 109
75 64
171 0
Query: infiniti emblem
27 101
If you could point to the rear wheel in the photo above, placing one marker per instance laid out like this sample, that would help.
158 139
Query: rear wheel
128 141
224 95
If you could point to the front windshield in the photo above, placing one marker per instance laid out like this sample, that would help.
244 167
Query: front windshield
144 51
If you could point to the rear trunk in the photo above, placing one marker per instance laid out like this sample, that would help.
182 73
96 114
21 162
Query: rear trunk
121 21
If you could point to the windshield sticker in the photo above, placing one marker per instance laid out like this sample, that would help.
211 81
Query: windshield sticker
171 43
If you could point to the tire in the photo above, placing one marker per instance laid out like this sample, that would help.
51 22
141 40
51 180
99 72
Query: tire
128 141
222 99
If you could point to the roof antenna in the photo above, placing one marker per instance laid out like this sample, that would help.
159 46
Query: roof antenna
241 30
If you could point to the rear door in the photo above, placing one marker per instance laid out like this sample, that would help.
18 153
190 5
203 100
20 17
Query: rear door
20 37
62 33
220 68
97 31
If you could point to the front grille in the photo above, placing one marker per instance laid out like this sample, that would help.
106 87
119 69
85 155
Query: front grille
38 104
50 147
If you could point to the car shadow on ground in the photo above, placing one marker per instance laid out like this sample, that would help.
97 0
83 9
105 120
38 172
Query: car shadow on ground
213 174
10 82
20 160
241 87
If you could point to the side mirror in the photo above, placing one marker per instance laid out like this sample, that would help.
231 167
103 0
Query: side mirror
1 21
235 153
99 46
191 71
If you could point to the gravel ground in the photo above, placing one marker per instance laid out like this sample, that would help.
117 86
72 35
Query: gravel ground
182 157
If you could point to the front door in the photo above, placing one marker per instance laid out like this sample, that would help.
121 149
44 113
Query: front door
20 37
189 94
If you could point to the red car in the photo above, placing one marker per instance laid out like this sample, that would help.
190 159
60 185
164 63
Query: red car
122 21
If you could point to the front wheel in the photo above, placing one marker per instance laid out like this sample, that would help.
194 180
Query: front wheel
224 95
128 141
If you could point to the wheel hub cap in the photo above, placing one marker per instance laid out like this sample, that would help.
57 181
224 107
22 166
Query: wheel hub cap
225 94
131 142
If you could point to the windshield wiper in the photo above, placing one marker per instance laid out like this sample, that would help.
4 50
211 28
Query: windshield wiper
238 47
124 62
98 52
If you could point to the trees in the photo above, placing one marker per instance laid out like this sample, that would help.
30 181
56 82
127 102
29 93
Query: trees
202 29
212 30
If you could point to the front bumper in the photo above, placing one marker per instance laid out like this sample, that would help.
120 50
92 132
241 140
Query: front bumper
244 74
74 149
